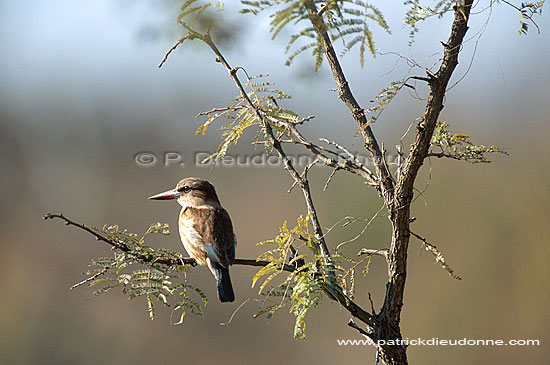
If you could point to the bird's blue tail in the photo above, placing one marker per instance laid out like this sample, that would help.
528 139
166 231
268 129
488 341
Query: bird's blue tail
225 289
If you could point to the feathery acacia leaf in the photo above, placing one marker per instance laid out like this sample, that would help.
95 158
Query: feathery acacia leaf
341 19
458 146
265 99
301 288
418 12
137 278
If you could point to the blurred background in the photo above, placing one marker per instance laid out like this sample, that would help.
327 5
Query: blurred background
82 100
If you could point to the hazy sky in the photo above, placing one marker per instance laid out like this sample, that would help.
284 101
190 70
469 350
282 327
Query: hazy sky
87 49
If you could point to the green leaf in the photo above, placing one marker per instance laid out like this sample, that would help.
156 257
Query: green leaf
458 146
268 269
137 268
150 307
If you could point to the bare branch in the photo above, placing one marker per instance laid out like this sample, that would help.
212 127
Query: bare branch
214 110
371 304
330 178
234 312
91 278
171 50
351 156
348 165
373 251
305 119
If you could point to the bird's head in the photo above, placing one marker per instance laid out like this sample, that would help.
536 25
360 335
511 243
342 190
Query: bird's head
191 192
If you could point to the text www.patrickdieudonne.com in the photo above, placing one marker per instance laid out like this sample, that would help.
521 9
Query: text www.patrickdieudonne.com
435 341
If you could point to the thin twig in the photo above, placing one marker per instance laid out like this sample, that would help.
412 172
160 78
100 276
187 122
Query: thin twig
363 230
330 178
171 50
351 156
304 174
214 110
523 14
399 150
91 278
303 120
234 312
438 256
347 165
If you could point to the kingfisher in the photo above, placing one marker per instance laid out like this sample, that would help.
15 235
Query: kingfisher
205 229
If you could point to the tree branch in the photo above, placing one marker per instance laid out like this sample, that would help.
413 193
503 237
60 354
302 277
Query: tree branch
353 158
374 251
151 259
385 181
442 155
122 246
400 215
351 165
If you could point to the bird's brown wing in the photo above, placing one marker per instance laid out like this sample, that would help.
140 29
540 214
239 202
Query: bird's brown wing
215 227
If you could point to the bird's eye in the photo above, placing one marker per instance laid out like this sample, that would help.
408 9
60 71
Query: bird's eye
184 189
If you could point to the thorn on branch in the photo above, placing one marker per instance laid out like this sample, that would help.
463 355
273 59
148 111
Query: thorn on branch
432 76
298 263
352 324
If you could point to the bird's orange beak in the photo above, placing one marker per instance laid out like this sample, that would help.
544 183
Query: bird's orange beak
167 195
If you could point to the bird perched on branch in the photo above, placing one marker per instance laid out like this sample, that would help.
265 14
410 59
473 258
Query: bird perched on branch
205 230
